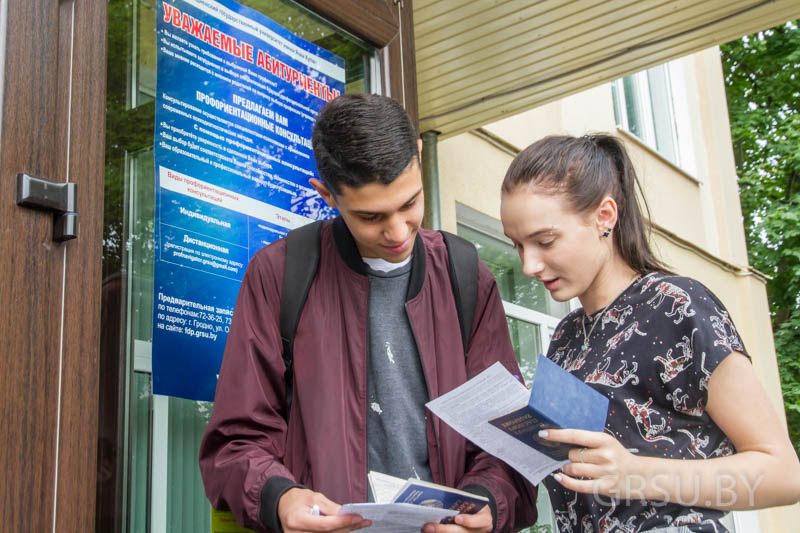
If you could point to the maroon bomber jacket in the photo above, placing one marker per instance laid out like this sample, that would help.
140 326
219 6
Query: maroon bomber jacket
249 456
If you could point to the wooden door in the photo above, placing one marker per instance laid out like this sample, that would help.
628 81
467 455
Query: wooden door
52 126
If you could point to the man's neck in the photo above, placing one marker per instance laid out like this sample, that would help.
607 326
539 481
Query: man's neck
382 265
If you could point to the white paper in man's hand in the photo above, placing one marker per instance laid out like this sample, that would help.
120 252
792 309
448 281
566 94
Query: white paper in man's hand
493 393
396 517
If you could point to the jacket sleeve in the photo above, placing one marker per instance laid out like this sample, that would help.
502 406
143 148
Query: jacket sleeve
513 498
241 454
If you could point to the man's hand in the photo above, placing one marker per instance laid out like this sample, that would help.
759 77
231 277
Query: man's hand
294 513
480 522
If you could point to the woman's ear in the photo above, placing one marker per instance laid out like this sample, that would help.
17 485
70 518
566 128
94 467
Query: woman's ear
323 191
606 216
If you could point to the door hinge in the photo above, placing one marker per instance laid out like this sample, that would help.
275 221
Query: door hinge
59 198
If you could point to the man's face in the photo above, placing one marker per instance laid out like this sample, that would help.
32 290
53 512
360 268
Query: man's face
383 219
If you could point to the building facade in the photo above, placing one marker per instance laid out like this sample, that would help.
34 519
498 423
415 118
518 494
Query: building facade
673 120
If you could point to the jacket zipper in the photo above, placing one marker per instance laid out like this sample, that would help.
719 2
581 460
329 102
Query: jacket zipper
366 397
428 388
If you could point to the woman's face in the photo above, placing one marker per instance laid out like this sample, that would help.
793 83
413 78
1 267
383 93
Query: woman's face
562 249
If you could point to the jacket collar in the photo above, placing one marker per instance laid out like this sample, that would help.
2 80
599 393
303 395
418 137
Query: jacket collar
348 251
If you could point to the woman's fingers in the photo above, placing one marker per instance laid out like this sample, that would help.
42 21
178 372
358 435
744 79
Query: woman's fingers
584 486
578 437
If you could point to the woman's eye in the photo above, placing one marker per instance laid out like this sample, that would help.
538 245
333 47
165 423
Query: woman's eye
547 244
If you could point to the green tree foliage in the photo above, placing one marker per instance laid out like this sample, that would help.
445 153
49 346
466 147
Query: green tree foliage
762 75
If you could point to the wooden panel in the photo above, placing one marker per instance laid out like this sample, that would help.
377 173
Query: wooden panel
31 266
79 400
599 37
372 20
402 61
494 107
387 24
476 67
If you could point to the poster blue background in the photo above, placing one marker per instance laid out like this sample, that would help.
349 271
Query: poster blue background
202 247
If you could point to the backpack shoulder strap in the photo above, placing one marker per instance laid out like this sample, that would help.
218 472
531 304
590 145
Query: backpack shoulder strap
302 260
463 265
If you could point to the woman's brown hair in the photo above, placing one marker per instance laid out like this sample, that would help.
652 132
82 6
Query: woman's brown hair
587 169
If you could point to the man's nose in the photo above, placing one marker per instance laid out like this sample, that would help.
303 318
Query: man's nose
396 230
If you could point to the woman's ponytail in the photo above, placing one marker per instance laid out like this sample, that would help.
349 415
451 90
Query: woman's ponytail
587 169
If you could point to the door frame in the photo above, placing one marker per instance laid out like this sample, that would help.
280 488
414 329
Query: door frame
52 126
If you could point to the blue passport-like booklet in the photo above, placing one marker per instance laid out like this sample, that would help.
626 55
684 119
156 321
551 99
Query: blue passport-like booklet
432 495
386 488
558 400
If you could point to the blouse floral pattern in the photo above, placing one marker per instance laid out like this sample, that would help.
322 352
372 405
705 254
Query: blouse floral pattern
651 353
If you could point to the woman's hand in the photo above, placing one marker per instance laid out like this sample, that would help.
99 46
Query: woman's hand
607 467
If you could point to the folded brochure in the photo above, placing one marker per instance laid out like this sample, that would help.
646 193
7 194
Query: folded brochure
495 394
410 504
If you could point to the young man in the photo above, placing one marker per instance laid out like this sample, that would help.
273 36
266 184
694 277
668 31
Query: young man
379 336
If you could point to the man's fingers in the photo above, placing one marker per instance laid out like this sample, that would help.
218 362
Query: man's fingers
353 527
482 518
326 506
308 522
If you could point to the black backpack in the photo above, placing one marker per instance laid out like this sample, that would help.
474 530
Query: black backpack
302 260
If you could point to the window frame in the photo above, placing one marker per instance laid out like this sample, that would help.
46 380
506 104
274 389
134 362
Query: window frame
676 117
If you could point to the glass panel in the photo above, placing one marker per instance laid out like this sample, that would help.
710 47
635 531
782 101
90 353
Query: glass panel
140 459
633 107
143 71
515 287
663 122
140 242
527 342
187 506
616 96
125 465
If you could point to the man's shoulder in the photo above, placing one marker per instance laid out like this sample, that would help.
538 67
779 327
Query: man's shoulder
436 249
276 250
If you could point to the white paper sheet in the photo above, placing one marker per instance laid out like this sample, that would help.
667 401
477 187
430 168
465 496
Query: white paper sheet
384 487
396 517
492 393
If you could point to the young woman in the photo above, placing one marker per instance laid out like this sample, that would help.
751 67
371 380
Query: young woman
690 432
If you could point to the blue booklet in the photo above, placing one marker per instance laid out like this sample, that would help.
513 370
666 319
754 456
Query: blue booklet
558 400
386 488
420 492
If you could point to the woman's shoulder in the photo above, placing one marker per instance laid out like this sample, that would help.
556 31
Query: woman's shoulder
683 289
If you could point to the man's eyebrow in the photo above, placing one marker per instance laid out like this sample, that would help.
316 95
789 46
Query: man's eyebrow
369 213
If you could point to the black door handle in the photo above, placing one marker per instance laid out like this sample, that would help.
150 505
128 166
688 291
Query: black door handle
60 198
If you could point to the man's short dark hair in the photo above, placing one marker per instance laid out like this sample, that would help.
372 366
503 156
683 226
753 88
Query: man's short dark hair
362 138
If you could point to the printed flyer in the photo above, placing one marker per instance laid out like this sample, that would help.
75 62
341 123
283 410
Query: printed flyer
237 95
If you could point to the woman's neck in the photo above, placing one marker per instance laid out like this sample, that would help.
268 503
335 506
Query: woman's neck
609 283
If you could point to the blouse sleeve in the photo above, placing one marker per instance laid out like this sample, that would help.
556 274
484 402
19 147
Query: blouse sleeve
705 334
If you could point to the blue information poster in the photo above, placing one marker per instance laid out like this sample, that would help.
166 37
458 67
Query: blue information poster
237 95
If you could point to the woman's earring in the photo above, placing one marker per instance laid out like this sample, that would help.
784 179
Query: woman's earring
607 232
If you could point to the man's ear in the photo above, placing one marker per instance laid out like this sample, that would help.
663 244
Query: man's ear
323 191
419 148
